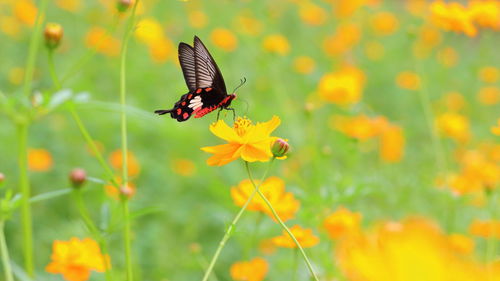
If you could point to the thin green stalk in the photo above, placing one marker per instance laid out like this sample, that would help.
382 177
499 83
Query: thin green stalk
96 233
52 69
295 264
491 243
33 49
230 229
5 254
123 115
276 216
24 184
91 143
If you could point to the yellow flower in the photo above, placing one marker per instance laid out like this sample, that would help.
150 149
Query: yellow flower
254 270
273 188
408 80
342 222
454 125
384 23
344 87
359 127
304 64
197 18
149 31
448 57
416 7
128 190
412 250
489 95
312 14
16 75
304 236
485 228
374 50
346 8
453 17
496 130
116 160
248 24
98 38
454 101
344 39
486 13
392 144
276 43
162 51
250 142
69 5
25 11
428 37
461 243
74 259
39 160
489 74
183 167
224 39
10 26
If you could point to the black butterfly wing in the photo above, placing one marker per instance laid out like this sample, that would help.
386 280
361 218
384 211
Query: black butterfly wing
187 61
207 72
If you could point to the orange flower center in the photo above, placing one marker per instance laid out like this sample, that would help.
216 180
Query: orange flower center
241 125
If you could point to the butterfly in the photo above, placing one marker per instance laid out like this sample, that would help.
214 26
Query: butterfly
207 90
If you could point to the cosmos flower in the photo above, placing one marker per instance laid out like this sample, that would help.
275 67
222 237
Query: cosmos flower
496 129
273 189
253 270
342 222
343 87
485 228
98 38
453 16
304 236
454 125
39 160
408 80
224 39
276 43
76 258
384 23
115 158
245 140
304 64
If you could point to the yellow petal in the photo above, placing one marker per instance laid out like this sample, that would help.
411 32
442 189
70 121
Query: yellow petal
223 131
251 153
261 131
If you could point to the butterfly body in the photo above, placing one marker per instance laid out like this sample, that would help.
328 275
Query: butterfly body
207 90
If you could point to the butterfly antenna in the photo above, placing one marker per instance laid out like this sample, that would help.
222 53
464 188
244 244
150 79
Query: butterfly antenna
242 81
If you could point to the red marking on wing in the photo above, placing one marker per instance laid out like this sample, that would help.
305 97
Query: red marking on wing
183 103
190 96
179 111
208 89
198 91
204 111
185 115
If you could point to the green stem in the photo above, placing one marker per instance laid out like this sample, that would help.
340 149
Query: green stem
91 143
24 184
94 230
230 229
52 69
276 216
491 243
33 49
123 102
295 264
5 254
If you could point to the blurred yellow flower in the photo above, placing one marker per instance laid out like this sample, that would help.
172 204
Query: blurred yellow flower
312 14
428 38
10 26
253 270
392 143
304 236
342 222
76 258
344 39
416 7
496 130
489 74
183 167
454 101
116 161
273 189
454 125
384 23
360 127
447 57
486 13
149 31
16 75
246 140
461 244
98 38
413 250
346 8
276 43
453 16
374 50
485 228
25 11
39 160
489 95
408 80
304 64
197 18
69 5
128 190
344 87
249 25
163 50
224 39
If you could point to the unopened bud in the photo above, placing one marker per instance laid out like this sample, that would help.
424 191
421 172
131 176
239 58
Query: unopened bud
124 5
77 177
280 148
53 34
2 178
195 247
126 191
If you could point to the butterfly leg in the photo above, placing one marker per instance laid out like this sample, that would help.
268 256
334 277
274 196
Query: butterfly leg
218 113
234 113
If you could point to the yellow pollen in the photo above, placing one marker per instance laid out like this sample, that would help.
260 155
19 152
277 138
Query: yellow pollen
241 125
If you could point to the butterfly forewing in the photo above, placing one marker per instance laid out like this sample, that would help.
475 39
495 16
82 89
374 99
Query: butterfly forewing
206 70
186 59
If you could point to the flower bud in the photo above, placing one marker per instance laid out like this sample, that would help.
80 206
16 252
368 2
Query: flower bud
126 191
280 148
77 177
2 178
123 5
53 34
